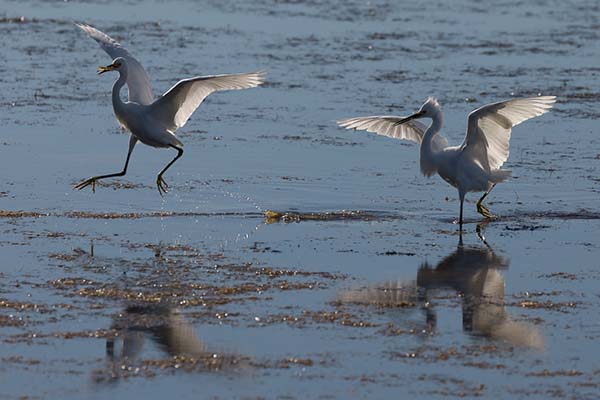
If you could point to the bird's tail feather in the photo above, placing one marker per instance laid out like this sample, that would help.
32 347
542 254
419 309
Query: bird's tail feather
499 175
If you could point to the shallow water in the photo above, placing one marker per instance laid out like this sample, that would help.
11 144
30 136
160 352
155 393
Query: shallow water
360 291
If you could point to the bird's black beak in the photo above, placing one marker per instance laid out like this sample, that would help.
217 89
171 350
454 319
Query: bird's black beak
110 67
416 115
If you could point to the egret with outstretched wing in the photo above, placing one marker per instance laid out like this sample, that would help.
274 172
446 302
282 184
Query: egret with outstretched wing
154 121
474 166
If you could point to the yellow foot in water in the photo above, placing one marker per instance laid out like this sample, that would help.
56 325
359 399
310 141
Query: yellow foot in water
85 183
272 216
162 185
483 210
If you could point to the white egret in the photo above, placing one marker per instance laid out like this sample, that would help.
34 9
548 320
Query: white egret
474 166
154 121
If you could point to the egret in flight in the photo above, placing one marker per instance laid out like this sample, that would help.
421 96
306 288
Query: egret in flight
474 166
154 121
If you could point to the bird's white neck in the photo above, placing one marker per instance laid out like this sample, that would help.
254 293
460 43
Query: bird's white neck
434 128
428 159
116 90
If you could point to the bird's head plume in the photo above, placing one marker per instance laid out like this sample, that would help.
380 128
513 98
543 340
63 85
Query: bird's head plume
431 106
430 109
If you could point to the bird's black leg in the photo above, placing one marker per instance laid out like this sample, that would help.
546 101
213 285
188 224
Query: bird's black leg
460 218
160 182
110 348
483 210
92 181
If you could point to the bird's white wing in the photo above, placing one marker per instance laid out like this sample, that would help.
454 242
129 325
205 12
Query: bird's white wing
176 106
489 127
386 126
138 81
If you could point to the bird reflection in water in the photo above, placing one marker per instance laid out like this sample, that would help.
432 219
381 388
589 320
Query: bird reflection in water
162 325
474 272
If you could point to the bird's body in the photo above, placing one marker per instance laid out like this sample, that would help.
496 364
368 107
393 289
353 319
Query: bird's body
139 119
155 121
475 165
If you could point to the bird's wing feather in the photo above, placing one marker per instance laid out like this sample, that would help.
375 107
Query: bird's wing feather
386 126
489 127
176 106
138 81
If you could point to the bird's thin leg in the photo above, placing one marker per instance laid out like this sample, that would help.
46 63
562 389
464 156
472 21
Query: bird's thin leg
92 181
110 348
430 317
460 218
160 182
483 210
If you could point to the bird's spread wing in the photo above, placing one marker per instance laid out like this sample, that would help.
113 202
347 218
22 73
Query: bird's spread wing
138 81
489 127
176 106
386 126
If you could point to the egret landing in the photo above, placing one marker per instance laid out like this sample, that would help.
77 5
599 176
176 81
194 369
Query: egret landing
474 166
154 121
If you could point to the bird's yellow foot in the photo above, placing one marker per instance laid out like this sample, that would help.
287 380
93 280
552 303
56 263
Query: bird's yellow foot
483 210
85 183
162 185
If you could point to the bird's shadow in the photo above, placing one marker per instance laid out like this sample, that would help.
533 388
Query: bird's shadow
472 272
158 335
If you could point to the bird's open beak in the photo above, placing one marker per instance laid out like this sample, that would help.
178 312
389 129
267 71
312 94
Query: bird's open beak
110 67
411 117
